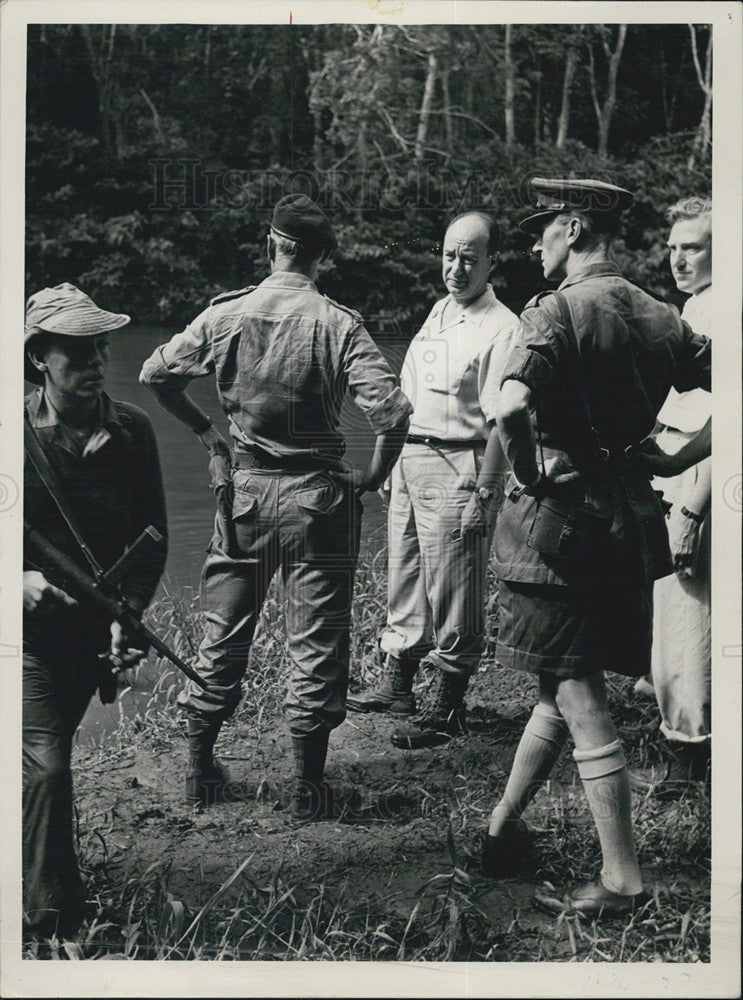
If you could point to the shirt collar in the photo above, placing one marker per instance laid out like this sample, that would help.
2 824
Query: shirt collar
598 269
42 415
288 279
476 311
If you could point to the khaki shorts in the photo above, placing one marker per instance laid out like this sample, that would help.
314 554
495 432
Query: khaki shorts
571 632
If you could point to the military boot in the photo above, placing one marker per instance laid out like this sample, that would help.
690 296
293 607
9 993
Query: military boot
312 798
441 720
206 779
394 691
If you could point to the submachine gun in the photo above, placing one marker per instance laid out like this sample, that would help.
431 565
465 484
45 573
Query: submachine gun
102 588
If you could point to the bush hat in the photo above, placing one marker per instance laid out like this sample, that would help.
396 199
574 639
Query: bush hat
66 310
298 218
557 196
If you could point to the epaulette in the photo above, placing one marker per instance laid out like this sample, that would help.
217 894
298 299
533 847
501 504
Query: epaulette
346 309
653 295
226 296
536 299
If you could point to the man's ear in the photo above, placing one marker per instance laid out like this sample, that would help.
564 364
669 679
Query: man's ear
573 230
37 360
494 259
270 248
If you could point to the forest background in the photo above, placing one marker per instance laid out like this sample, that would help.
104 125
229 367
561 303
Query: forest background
156 152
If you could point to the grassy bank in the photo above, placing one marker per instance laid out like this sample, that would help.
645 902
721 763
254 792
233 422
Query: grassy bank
241 881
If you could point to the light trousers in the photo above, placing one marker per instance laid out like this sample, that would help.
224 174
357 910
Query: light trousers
436 581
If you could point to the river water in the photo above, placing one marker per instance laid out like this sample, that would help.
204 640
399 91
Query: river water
189 501
184 460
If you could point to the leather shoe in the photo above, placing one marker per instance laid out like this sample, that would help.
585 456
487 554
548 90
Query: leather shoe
592 900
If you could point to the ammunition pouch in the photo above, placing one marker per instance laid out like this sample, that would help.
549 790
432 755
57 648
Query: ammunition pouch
569 532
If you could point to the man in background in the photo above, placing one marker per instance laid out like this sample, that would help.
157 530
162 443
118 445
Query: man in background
681 657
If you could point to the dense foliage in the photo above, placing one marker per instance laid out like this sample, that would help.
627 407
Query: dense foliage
155 153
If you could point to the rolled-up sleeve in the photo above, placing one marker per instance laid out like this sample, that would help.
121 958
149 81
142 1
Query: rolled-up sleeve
372 383
695 364
536 351
491 366
186 356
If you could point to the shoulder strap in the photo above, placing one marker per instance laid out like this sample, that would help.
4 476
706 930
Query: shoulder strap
49 478
236 294
572 342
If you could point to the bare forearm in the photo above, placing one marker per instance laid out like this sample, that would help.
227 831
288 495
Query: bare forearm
493 461
696 450
387 450
517 439
698 497
182 407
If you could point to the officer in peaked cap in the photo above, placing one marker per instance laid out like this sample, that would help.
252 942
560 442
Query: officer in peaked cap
581 536
557 196
284 356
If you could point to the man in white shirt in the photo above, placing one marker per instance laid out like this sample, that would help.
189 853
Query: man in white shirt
681 658
443 492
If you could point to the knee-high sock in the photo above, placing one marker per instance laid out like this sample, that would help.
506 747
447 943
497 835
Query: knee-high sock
606 781
541 741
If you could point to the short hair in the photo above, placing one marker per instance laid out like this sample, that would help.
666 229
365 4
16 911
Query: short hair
690 208
303 253
597 228
490 224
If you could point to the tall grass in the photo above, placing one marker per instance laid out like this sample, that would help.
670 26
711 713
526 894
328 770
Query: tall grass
452 914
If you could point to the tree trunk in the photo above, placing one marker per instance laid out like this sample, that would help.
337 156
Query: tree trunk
208 49
510 87
100 55
703 136
425 111
446 100
605 111
563 121
537 107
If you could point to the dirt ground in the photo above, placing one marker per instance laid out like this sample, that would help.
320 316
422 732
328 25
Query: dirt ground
421 816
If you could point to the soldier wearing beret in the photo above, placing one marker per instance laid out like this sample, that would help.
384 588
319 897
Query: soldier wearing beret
283 356
582 535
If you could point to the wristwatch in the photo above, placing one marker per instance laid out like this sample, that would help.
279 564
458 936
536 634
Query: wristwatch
485 494
692 515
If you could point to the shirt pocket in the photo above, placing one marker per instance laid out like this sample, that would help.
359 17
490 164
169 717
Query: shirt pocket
434 364
319 496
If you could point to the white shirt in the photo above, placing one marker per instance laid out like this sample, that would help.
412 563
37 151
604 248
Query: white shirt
452 370
689 411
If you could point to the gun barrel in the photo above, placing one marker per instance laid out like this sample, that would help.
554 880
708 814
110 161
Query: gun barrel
63 572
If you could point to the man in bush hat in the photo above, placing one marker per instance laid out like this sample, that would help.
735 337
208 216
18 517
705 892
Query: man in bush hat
103 468
581 536
284 356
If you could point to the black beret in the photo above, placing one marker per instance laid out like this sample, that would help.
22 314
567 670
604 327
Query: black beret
557 196
298 218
